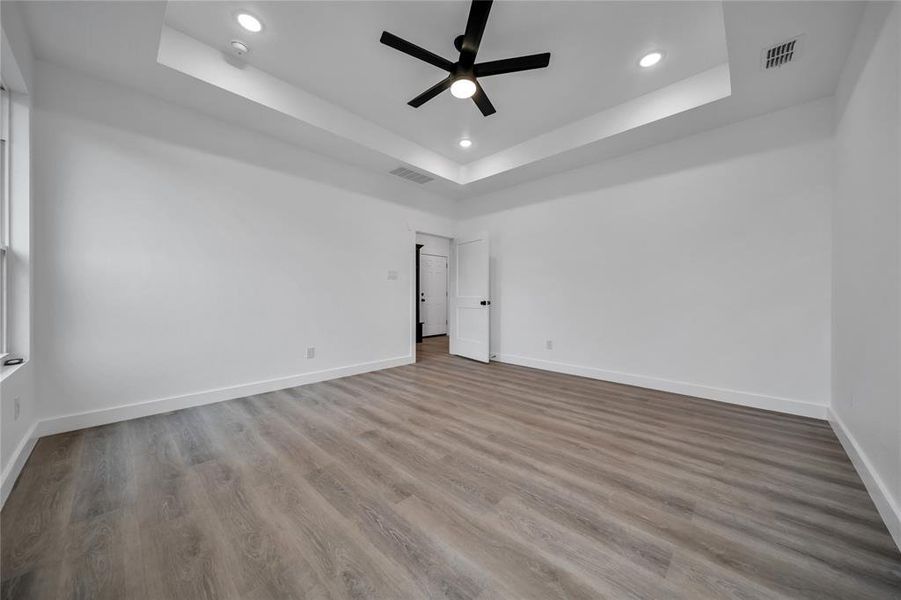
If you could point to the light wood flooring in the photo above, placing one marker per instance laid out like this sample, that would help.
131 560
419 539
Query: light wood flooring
448 479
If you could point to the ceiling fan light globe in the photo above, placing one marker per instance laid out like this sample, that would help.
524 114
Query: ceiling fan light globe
463 88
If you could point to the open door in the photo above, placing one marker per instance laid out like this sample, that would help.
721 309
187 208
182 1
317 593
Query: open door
470 328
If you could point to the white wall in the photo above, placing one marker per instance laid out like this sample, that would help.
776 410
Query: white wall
433 244
866 394
699 266
179 254
17 384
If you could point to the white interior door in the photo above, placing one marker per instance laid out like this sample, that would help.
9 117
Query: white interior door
470 327
433 294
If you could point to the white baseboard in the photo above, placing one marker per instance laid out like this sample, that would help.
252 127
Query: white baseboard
20 456
888 508
786 405
114 414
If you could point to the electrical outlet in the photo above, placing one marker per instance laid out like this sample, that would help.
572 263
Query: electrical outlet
311 352
16 409
549 344
392 275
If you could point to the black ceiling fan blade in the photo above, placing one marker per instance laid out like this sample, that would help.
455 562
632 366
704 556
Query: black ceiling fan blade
430 93
475 27
482 101
389 39
512 65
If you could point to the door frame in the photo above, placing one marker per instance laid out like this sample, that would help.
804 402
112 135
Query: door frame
414 291
417 323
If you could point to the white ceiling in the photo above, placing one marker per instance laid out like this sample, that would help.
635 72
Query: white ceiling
332 50
537 130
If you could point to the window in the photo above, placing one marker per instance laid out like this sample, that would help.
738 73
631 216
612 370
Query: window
4 216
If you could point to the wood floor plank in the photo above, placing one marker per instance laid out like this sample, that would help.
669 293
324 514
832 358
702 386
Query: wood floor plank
441 572
347 450
318 536
517 565
183 556
448 479
611 574
102 559
36 514
529 427
103 484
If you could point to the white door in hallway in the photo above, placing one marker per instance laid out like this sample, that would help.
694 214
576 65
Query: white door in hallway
433 294
470 324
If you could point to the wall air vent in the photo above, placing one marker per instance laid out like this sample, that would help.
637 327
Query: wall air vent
781 54
411 175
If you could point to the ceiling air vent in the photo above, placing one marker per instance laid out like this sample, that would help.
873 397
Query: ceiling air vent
780 54
411 175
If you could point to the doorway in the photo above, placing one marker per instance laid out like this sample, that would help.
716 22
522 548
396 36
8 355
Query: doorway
433 257
451 296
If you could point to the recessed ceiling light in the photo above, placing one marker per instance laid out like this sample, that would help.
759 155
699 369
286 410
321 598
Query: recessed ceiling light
465 143
650 59
463 88
249 22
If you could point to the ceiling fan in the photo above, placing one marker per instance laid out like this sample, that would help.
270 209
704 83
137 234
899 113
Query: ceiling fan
463 75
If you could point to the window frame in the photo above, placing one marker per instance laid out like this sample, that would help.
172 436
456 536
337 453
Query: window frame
4 219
